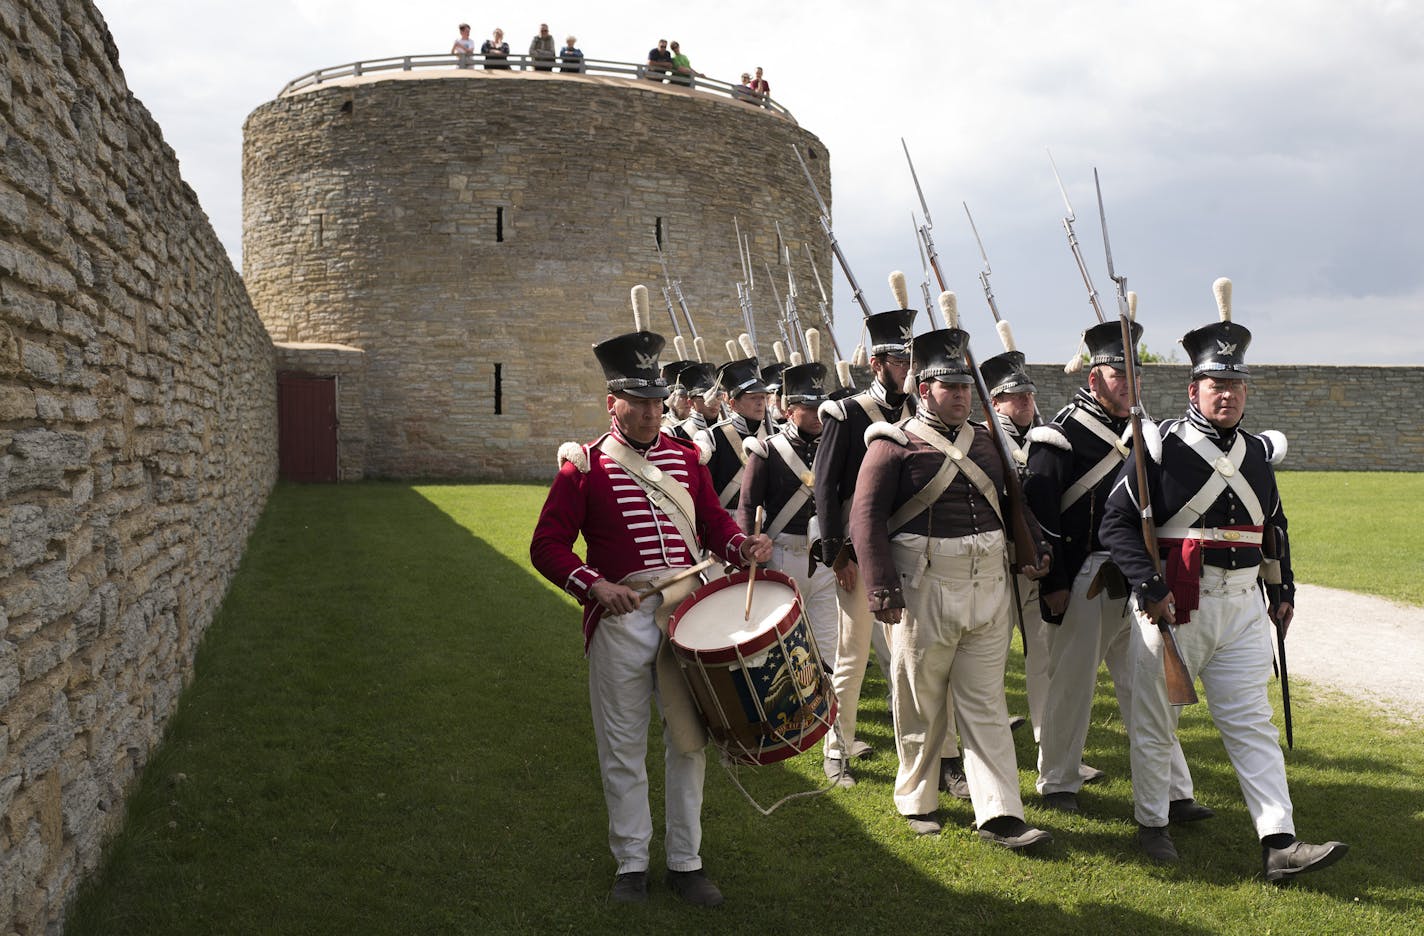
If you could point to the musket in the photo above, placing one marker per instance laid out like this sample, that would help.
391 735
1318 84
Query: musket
1180 690
1068 220
793 317
667 287
744 288
825 307
856 294
1025 547
924 264
780 319
999 323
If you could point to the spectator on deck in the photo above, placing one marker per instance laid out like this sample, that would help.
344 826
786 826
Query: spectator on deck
464 47
496 51
761 87
659 62
571 56
541 49
682 70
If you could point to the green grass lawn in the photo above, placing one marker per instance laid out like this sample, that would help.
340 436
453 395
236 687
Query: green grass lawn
1357 531
387 731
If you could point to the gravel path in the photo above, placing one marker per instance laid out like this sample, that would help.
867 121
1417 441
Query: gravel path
1366 648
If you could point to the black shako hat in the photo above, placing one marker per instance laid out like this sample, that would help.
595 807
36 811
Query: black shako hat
698 377
671 371
1218 350
939 355
1104 342
630 363
804 383
1005 373
738 377
771 375
891 332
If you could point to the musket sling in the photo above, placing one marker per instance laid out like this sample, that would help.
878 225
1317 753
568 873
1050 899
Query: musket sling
666 492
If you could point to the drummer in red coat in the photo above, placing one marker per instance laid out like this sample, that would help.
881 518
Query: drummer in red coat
645 505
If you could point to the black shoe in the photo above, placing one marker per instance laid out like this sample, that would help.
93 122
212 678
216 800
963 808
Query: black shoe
1012 833
1017 722
1065 801
630 887
924 824
693 887
838 770
1282 864
951 777
1156 843
1188 810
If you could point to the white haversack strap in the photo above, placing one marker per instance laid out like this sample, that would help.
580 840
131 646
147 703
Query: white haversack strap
665 492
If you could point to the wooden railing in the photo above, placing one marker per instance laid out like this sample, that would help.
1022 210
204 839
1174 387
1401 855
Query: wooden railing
630 70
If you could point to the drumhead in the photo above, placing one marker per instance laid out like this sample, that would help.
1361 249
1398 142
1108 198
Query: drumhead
716 621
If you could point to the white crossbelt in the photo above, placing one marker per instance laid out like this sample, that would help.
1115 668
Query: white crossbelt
802 494
1106 466
1226 472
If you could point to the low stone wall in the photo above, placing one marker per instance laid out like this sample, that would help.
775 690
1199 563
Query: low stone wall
1335 418
137 444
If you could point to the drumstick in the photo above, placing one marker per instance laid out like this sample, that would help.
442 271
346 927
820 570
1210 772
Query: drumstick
751 577
674 579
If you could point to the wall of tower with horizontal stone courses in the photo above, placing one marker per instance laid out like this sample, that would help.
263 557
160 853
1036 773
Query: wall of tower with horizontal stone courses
475 233
137 444
1335 418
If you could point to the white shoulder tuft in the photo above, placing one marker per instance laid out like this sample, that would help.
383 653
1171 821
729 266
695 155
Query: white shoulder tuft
884 430
754 446
1152 438
1050 434
703 440
1275 445
833 409
573 452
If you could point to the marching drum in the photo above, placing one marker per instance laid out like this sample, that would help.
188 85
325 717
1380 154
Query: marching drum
758 683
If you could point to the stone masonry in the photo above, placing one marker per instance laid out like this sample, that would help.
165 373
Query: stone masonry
137 444
475 232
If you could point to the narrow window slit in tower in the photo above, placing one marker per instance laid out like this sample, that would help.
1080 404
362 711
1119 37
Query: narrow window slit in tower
658 232
498 232
498 389
317 230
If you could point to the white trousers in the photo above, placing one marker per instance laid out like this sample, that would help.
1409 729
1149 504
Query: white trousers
790 555
1227 645
1094 631
953 642
622 685
1035 637
859 630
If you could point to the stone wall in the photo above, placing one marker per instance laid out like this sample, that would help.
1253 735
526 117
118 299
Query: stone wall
476 232
1334 418
137 444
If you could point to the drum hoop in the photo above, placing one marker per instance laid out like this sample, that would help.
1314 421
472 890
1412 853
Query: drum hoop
753 645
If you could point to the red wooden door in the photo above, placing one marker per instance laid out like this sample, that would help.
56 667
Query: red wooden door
306 427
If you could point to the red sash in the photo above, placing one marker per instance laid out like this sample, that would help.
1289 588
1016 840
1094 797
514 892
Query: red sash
1182 566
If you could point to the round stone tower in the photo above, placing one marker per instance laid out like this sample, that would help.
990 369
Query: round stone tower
475 233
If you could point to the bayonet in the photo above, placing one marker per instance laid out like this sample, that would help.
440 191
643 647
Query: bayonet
984 273
1074 246
667 287
924 265
924 229
856 295
825 306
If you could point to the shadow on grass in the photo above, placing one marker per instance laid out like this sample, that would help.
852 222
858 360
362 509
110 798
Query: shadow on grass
388 732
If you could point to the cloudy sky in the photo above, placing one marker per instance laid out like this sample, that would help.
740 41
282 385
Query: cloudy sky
1278 143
